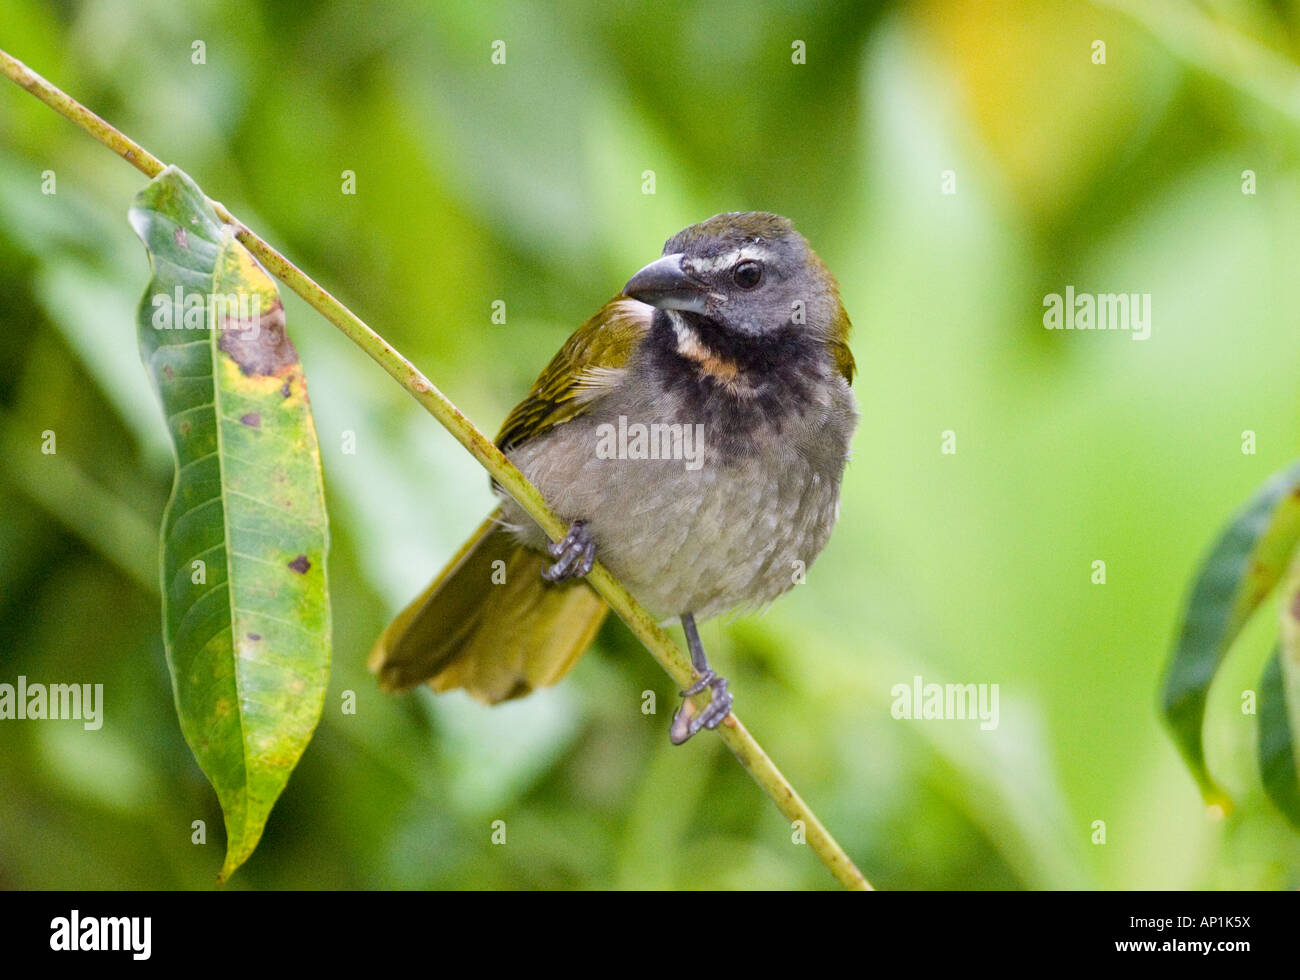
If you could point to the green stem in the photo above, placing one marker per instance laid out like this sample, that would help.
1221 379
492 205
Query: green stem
649 632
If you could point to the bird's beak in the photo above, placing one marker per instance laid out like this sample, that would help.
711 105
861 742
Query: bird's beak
665 284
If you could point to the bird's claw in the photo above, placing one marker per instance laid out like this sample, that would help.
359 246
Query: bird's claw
685 725
574 554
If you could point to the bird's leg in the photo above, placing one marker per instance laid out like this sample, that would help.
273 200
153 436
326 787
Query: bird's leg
574 554
684 725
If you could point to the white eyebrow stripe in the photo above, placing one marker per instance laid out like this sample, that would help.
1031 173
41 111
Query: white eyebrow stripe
752 250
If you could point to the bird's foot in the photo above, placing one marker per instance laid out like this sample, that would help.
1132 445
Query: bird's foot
685 724
574 554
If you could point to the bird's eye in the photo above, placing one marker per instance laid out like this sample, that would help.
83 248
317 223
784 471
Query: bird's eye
747 274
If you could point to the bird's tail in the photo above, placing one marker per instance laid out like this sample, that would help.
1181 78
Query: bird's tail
489 624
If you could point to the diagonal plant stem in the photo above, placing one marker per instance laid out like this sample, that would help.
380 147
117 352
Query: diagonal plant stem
656 640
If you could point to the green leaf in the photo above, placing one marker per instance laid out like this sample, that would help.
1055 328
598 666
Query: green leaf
1241 570
1287 692
1277 761
246 618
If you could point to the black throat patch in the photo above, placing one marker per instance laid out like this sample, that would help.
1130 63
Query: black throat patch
738 386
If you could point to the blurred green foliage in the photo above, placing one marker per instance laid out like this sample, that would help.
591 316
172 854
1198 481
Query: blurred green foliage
523 182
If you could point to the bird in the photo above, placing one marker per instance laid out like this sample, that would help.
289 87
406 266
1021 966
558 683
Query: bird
692 434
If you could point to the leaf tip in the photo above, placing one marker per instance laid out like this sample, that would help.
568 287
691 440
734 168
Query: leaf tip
228 868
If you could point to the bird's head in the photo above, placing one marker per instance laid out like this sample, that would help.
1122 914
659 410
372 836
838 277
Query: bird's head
741 280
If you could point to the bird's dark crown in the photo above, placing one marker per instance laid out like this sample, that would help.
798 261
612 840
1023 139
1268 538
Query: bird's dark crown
724 232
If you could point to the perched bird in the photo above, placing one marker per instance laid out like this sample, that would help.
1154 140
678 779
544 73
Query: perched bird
694 431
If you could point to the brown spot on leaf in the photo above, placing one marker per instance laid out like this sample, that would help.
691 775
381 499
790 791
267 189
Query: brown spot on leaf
257 343
284 390
300 564
185 427
254 636
168 373
1295 606
181 239
251 419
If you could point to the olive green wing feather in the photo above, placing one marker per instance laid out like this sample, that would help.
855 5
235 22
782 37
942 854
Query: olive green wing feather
489 624
844 362
590 363
841 327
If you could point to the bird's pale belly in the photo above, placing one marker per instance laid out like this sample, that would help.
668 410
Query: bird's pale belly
701 535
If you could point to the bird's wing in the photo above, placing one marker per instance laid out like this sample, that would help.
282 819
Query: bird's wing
840 330
591 362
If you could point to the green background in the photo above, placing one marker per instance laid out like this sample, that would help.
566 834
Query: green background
523 182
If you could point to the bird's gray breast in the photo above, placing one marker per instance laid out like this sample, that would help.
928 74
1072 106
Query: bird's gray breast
689 515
